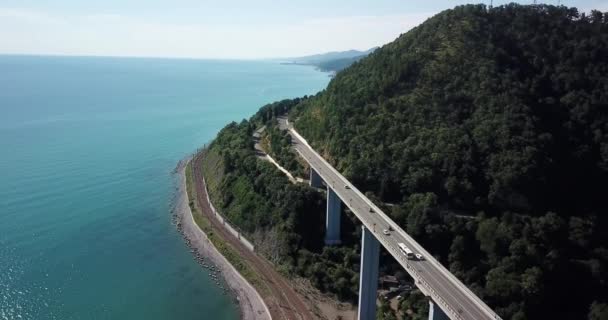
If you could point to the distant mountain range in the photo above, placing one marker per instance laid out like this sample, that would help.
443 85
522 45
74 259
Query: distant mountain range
331 61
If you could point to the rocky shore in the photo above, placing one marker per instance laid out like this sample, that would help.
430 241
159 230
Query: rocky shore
222 272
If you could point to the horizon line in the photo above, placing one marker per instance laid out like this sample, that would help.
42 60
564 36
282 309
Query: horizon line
175 57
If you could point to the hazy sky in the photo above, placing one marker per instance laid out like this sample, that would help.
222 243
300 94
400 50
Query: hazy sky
213 29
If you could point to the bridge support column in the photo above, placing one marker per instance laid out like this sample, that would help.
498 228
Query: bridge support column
315 179
368 276
332 218
435 313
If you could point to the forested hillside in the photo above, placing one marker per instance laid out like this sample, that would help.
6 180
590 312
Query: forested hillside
284 220
489 131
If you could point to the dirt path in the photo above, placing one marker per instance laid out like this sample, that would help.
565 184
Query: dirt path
261 154
282 300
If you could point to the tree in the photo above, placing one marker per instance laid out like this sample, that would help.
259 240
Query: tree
419 208
598 311
532 282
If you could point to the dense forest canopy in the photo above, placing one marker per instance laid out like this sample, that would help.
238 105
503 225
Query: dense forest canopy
284 220
487 132
485 108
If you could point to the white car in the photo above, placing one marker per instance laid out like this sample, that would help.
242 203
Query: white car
386 232
419 256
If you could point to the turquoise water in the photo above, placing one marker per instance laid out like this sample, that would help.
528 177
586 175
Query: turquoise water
87 150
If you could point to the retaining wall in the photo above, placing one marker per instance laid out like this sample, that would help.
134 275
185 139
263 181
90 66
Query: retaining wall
227 224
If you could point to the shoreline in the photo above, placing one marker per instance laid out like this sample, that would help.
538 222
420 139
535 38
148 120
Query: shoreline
280 298
250 303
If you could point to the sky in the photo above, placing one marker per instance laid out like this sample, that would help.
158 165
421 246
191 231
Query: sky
226 29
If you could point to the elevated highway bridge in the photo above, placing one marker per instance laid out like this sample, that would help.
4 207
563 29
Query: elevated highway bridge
449 297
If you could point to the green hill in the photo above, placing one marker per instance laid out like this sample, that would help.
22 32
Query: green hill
500 114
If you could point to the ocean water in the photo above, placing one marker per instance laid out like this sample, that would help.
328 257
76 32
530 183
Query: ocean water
87 149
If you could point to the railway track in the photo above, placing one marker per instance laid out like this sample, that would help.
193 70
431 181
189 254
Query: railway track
282 300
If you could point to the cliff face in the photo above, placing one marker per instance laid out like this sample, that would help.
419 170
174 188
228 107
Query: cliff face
500 114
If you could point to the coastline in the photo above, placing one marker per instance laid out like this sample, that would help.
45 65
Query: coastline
279 297
250 303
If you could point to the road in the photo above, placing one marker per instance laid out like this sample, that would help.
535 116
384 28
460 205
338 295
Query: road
261 154
457 301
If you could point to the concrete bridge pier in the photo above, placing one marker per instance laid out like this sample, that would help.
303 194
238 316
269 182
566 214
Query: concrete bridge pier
315 179
368 276
332 218
435 313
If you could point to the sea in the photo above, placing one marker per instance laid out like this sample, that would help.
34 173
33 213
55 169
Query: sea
88 146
